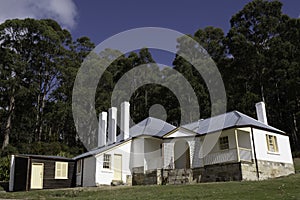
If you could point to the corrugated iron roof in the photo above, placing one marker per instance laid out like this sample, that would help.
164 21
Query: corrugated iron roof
158 128
99 150
225 121
148 127
152 127
45 157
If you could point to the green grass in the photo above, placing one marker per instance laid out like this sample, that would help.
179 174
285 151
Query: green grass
281 188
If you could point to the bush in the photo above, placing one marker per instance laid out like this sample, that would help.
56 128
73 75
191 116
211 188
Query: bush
4 168
296 154
9 150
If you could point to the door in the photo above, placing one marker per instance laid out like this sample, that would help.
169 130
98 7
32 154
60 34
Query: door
37 173
117 167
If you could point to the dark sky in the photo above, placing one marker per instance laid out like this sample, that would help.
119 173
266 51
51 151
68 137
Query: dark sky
100 20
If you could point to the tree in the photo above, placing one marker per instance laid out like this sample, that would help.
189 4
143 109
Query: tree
252 30
265 58
33 52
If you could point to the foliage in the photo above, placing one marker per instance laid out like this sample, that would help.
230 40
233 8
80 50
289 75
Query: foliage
4 168
258 60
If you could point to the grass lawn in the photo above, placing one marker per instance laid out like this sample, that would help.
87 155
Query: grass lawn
281 188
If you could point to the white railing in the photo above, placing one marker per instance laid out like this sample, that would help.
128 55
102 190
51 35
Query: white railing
245 154
221 157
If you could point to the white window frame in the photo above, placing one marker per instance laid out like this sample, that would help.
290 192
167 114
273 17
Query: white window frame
59 168
272 144
106 161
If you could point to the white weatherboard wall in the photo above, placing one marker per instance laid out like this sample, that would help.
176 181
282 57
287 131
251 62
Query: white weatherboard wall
153 153
216 155
231 139
284 155
89 171
137 150
105 176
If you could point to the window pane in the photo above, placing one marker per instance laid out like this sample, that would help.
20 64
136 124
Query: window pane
106 161
272 143
223 143
61 170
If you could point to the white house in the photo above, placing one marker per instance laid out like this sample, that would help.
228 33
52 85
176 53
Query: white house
231 146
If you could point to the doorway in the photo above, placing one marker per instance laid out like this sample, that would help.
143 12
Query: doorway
37 174
117 167
182 154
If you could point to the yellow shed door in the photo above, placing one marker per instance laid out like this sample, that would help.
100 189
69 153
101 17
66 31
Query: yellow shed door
117 167
37 173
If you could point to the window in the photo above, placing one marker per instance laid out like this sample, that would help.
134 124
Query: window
106 161
79 166
61 170
272 143
224 144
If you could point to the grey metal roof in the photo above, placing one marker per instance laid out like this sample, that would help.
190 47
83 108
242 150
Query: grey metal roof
152 127
227 120
44 157
149 127
158 128
98 150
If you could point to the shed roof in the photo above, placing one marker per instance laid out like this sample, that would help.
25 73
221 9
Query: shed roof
45 157
225 121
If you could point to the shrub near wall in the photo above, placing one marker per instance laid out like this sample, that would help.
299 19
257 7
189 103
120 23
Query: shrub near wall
4 168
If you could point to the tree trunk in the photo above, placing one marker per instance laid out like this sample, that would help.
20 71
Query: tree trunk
8 122
41 116
37 123
295 131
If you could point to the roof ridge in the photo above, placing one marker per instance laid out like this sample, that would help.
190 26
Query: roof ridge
237 113
144 129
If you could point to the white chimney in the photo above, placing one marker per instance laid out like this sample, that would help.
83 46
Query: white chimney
112 125
102 129
125 109
261 112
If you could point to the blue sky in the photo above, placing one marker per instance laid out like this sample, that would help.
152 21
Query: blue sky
100 20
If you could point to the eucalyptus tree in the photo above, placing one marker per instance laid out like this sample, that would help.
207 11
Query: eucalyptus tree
34 51
263 44
252 30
